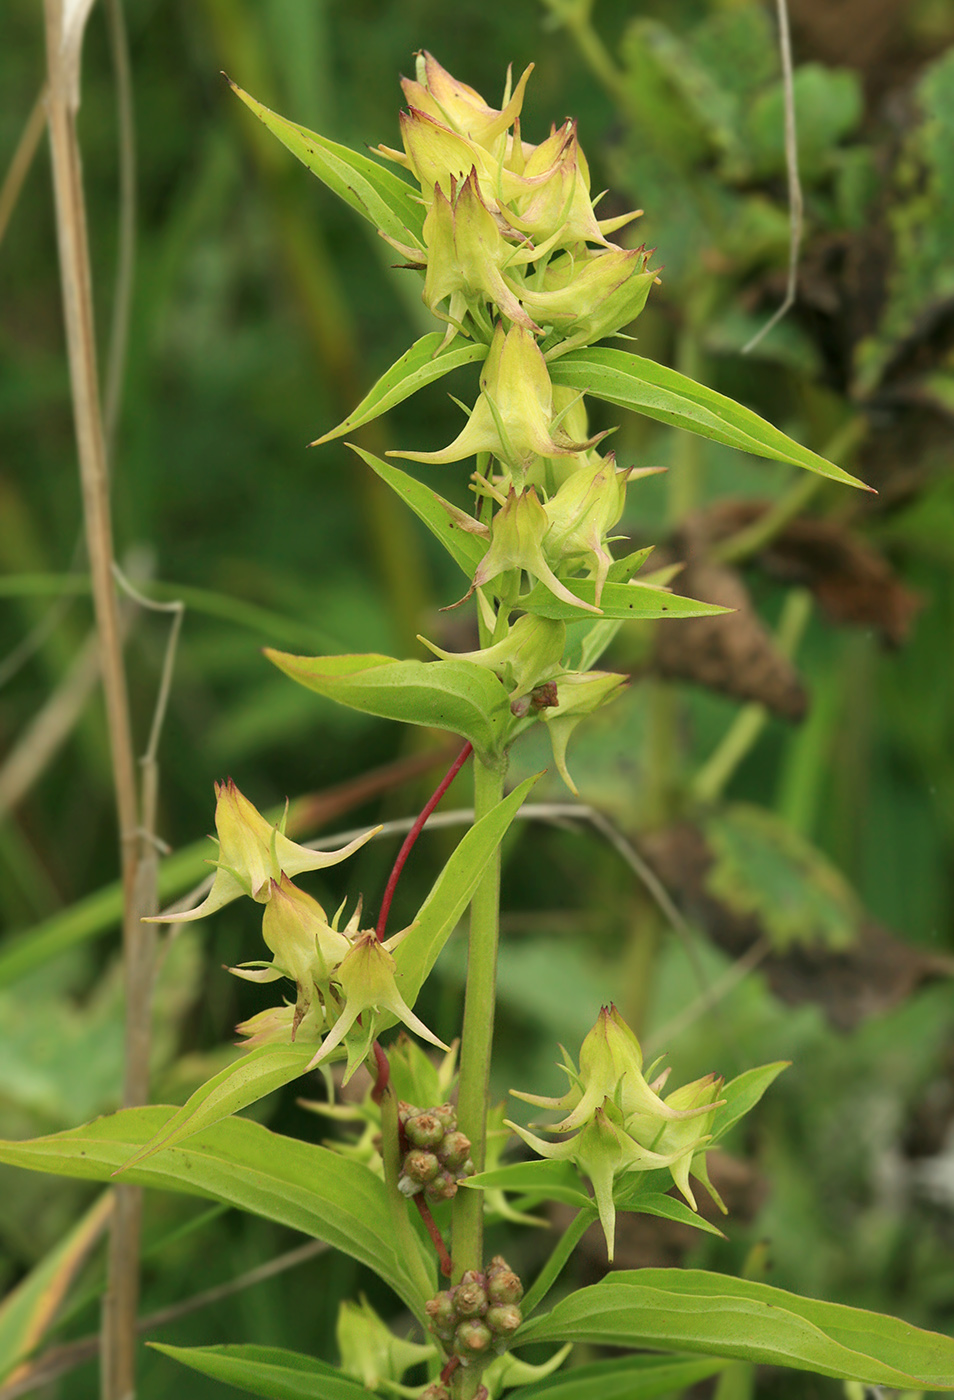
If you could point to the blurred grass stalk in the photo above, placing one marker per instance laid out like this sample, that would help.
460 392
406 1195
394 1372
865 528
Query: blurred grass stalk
64 23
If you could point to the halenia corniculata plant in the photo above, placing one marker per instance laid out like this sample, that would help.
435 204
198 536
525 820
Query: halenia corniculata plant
524 277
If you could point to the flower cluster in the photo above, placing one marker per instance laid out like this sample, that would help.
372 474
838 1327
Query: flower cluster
620 1121
477 1319
514 255
343 977
435 1153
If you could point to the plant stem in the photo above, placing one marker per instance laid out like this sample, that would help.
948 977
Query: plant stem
478 1030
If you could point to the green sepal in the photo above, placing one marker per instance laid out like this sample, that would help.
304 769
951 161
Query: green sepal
419 366
619 600
385 200
460 696
269 1371
642 1202
439 516
696 1311
742 1094
629 381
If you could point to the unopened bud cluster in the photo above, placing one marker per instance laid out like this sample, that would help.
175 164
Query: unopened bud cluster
477 1319
436 1153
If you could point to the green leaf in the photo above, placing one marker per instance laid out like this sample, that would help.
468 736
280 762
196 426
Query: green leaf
549 1180
452 892
742 1094
666 1207
460 696
618 600
419 366
763 869
629 381
465 549
30 1309
385 200
268 1371
299 1184
246 1081
626 1378
747 1321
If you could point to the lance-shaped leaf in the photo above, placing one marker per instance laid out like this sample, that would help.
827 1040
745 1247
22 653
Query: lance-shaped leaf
237 1086
452 892
457 695
419 366
385 200
617 600
630 381
309 1188
693 1310
268 1371
623 1378
742 1094
441 518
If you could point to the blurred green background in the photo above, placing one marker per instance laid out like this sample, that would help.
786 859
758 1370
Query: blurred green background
816 846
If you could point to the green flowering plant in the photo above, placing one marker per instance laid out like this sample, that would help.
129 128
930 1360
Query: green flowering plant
520 271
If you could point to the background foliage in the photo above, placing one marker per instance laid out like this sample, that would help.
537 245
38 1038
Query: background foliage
810 852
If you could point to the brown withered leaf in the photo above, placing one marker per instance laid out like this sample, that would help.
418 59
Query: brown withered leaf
850 984
853 583
734 653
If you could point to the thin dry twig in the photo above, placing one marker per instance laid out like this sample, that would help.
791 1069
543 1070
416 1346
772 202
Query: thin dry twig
796 207
19 168
126 243
64 24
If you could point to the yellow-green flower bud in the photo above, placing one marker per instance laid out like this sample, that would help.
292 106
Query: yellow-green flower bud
527 656
253 853
441 96
513 416
366 979
369 1350
587 298
578 695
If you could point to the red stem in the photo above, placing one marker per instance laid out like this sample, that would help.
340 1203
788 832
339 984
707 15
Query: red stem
384 1073
414 833
424 1211
450 1368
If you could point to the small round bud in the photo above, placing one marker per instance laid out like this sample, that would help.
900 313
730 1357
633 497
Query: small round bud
472 1340
406 1111
470 1297
421 1166
454 1150
435 1391
447 1114
503 1286
503 1319
442 1188
442 1315
424 1130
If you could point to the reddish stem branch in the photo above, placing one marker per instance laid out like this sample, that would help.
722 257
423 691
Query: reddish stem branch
414 833
384 1072
424 1211
450 1368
